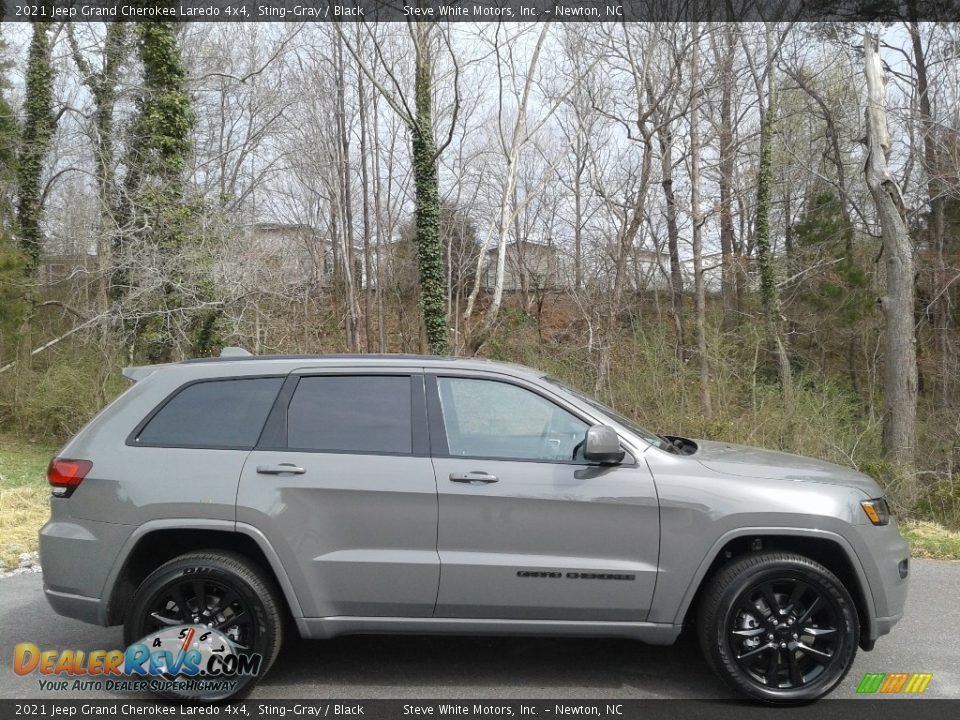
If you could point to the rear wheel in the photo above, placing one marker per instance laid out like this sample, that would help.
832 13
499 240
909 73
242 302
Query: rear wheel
218 590
778 627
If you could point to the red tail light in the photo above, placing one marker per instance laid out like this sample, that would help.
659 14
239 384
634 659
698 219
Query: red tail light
65 475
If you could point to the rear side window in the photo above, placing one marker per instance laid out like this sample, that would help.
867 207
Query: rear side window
213 414
363 413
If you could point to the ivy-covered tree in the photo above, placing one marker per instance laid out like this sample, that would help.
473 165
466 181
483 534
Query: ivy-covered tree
39 123
11 258
458 238
160 218
433 281
769 291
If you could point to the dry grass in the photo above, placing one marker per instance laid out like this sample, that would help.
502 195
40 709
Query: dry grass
24 496
929 540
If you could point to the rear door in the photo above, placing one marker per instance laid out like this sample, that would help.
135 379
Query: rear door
342 485
528 529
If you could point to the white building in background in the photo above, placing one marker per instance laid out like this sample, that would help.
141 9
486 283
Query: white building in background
531 266
288 254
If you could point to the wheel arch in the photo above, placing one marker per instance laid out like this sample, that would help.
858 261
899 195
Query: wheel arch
154 543
822 546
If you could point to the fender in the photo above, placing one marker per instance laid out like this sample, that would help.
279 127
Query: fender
840 540
224 526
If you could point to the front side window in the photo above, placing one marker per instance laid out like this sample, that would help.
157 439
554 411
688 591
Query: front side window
652 438
213 414
490 419
361 413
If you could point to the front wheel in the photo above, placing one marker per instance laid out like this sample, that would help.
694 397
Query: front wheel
778 627
219 591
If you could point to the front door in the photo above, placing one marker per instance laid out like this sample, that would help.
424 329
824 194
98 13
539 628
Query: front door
343 487
527 528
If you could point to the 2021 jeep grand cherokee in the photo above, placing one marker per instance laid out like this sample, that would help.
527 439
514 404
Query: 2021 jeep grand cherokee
419 494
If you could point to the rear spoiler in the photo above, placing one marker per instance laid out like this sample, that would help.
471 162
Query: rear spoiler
139 372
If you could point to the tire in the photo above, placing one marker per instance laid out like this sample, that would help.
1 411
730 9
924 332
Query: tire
253 601
795 654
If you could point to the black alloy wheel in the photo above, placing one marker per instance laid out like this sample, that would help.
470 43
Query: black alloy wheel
778 627
785 633
220 590
199 601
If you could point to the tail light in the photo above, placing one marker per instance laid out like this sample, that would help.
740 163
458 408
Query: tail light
65 475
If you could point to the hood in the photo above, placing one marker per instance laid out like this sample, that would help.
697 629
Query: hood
743 461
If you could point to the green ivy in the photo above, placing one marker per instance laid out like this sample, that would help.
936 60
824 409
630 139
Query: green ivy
430 270
38 127
159 149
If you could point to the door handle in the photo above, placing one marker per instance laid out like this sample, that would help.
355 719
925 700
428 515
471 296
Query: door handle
281 469
477 477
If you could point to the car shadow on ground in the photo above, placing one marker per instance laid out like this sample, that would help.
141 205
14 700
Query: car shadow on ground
488 667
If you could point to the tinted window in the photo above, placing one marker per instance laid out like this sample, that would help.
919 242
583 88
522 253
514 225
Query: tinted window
485 418
364 413
218 413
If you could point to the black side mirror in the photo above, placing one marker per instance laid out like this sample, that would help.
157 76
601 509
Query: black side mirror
601 445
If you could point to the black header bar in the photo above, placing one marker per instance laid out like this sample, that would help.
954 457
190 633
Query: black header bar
478 10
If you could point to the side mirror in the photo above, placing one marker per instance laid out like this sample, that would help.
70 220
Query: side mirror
602 445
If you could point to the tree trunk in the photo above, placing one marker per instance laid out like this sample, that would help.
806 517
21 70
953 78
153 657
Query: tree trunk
936 195
665 136
610 324
366 283
433 293
900 367
729 269
38 127
378 212
769 294
699 292
352 307
578 216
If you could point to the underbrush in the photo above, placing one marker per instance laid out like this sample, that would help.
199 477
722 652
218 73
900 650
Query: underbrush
826 418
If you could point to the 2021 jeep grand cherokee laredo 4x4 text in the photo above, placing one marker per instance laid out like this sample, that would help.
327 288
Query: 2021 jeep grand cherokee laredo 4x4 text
421 494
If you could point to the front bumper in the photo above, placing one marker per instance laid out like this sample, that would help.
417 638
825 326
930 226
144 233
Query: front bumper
882 553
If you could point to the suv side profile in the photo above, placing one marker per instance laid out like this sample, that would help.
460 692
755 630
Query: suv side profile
415 494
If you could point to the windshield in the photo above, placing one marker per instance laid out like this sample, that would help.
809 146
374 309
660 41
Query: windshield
640 432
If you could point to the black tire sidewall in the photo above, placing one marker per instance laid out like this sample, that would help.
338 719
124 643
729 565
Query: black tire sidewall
832 590
207 569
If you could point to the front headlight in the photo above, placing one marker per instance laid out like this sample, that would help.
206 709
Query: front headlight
877 510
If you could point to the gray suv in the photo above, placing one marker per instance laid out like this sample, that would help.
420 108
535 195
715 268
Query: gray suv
412 494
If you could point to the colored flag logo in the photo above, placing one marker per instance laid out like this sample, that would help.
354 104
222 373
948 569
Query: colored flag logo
892 683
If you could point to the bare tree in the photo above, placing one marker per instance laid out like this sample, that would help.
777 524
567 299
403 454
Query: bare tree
900 372
511 145
697 220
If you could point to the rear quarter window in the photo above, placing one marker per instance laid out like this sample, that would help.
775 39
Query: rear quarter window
227 414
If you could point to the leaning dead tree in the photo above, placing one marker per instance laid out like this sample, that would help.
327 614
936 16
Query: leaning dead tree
900 372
